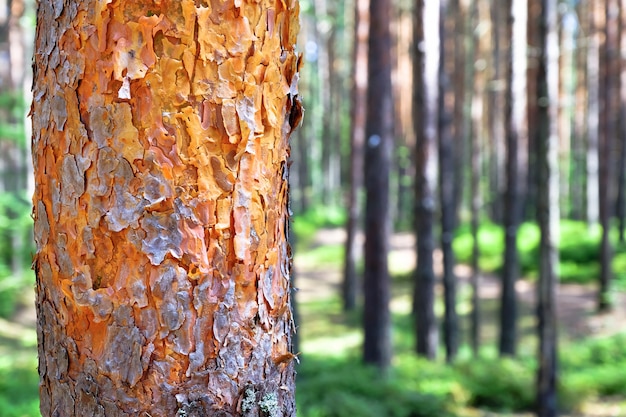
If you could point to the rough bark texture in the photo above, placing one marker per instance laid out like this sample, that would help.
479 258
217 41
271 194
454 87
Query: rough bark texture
548 211
378 131
425 67
160 146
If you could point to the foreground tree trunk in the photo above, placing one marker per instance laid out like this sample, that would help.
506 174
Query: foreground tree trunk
548 210
160 143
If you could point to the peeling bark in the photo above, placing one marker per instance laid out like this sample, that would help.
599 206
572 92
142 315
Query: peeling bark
160 146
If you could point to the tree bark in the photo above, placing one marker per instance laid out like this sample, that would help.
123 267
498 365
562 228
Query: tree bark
621 142
577 183
548 210
496 111
593 111
446 185
476 88
350 287
160 146
516 163
379 137
425 67
609 126
621 148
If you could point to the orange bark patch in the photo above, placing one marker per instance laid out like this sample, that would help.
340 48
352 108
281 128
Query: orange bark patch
160 139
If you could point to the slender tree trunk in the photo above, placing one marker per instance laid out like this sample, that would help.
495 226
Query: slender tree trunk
621 140
532 177
478 63
566 92
425 68
516 162
593 111
446 188
499 15
160 150
461 119
379 134
577 183
357 139
609 127
548 211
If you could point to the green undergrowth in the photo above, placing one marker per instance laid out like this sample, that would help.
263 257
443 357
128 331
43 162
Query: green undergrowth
19 392
332 380
344 387
579 250
305 225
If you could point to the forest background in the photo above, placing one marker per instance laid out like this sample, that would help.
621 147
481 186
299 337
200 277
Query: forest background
466 121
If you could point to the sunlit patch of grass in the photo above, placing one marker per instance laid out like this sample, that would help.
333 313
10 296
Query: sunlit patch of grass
321 255
306 224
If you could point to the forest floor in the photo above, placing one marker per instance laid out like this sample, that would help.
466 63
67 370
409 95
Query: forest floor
576 304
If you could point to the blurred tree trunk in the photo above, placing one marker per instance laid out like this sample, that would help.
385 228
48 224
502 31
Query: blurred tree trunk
593 110
548 210
350 287
446 180
497 87
379 143
404 137
577 183
621 141
533 51
609 129
5 45
516 163
160 149
566 92
425 68
477 90
461 66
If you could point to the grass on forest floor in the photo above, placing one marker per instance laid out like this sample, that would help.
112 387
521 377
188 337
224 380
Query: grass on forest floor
332 380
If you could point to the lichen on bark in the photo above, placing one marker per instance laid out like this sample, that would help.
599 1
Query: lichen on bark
160 144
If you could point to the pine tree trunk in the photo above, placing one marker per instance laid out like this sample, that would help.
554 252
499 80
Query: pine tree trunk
160 150
425 69
379 141
609 126
446 184
593 111
548 211
496 134
477 92
516 162
350 288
